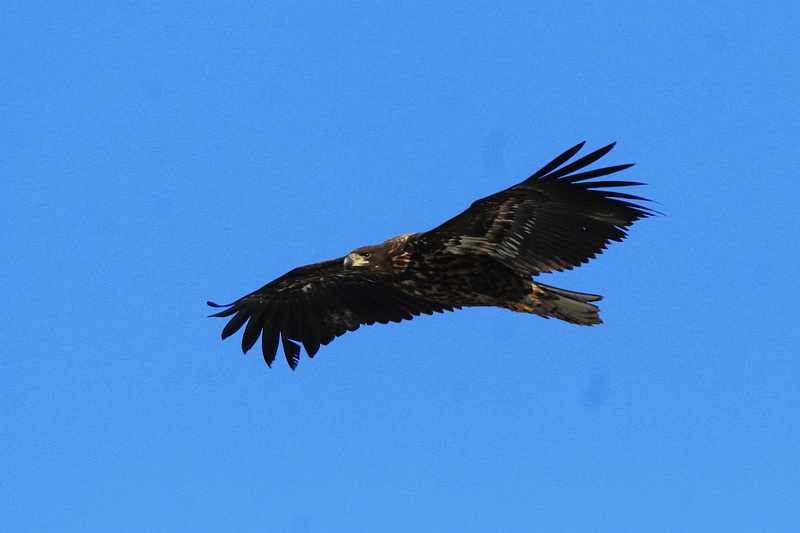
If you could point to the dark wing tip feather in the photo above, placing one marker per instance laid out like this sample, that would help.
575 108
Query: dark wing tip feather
557 162
269 343
251 332
235 323
584 161
611 184
605 171
227 310
312 347
554 170
292 352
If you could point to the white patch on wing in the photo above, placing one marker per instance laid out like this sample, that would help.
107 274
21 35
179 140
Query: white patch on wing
465 245
504 239
511 242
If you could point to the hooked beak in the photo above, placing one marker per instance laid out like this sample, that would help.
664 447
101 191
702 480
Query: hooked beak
348 261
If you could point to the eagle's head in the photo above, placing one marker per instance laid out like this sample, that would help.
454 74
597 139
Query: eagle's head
365 257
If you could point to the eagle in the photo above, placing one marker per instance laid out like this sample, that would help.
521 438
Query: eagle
555 220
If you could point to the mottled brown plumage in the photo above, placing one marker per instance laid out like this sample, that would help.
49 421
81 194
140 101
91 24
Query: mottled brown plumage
553 221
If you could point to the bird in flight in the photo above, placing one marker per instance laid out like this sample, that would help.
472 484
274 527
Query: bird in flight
553 221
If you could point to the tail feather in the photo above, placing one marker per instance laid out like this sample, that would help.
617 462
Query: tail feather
565 305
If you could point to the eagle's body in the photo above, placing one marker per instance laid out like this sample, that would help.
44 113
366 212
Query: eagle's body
553 221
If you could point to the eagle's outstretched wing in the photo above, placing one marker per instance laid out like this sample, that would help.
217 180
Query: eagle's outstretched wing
313 305
553 221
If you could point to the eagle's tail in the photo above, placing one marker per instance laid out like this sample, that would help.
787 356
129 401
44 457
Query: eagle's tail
566 305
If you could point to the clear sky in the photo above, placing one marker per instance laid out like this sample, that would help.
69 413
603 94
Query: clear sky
154 155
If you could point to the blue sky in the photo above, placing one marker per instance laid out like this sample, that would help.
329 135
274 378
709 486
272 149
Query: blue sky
154 156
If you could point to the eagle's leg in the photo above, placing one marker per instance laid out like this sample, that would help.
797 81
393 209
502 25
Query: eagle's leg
547 301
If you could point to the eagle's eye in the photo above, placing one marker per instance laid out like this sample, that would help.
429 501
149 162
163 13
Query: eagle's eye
366 255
